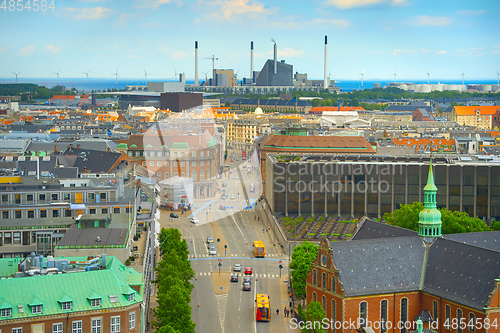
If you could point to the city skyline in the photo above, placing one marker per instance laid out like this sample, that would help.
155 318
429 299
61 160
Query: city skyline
377 37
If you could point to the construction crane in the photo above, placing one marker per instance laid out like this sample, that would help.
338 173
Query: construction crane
213 58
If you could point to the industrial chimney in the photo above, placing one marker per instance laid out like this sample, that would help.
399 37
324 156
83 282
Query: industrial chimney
251 59
196 63
275 59
325 83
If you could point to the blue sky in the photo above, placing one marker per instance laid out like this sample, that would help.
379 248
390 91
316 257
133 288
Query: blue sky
444 37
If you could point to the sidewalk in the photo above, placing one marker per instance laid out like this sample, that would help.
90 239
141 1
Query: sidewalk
283 324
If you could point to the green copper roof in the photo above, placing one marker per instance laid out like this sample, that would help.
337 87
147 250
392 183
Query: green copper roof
78 287
429 219
122 145
179 145
430 181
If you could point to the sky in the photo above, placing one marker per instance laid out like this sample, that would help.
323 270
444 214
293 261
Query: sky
380 37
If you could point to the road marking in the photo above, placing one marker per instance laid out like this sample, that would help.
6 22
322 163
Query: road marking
221 307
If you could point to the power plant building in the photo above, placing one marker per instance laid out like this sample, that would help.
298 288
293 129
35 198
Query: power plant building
283 76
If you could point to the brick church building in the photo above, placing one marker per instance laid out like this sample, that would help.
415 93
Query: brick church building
388 278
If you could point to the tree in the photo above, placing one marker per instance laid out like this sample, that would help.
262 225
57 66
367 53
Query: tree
302 258
170 239
313 317
495 225
453 222
167 329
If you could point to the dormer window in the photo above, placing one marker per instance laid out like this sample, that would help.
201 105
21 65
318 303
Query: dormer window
66 305
36 309
6 312
95 302
130 297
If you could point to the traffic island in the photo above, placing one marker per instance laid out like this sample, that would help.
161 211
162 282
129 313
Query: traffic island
220 282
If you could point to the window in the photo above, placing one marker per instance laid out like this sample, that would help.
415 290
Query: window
31 214
202 163
183 174
17 237
208 163
143 163
334 315
363 313
193 164
193 175
332 287
459 318
116 210
137 153
166 164
90 196
175 164
5 214
5 198
35 309
17 214
447 311
314 297
66 197
17 198
158 164
92 211
324 303
29 197
193 154
159 154
96 325
404 313
67 212
131 320
166 175
7 237
57 328
76 327
6 312
130 297
104 211
158 175
383 316
55 213
103 196
151 163
95 302
435 310
115 324
201 154
182 164
208 153
176 174
66 305
324 281
17 330
315 282
472 322
54 197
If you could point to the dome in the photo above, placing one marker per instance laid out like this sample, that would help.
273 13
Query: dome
430 216
258 111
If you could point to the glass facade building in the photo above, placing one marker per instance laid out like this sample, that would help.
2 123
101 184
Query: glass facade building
356 185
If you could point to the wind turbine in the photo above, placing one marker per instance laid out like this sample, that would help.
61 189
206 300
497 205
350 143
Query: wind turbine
395 74
175 75
463 74
206 77
146 75
57 73
362 75
116 76
16 74
498 77
428 74
87 76
236 76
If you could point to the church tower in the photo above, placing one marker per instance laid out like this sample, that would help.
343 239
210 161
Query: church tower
430 217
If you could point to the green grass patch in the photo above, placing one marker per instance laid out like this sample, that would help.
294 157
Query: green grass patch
348 235
300 219
288 218
322 218
336 235
377 220
323 234
311 234
311 219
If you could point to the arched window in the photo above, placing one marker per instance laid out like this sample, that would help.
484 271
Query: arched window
459 317
334 315
447 311
314 297
363 313
332 288
324 281
435 310
314 277
324 303
383 316
472 322
404 314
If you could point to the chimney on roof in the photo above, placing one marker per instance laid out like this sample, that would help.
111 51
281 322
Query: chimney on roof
109 150
55 148
77 146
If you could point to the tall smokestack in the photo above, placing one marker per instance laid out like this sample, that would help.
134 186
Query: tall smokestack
251 59
275 59
196 63
325 83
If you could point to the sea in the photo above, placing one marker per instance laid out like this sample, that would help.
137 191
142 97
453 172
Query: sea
103 84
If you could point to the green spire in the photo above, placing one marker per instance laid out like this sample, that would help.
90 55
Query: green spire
430 217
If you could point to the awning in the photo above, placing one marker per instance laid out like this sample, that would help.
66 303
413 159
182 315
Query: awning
77 206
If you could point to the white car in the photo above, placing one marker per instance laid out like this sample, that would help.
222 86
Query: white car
195 220
237 268
212 251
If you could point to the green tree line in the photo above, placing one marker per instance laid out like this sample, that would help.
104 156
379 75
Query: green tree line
173 275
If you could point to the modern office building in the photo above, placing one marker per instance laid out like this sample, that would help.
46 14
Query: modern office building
178 102
357 185
275 73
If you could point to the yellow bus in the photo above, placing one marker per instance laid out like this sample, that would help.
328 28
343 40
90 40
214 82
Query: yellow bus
259 250
263 308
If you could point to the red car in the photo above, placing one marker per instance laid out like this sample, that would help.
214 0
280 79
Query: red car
248 271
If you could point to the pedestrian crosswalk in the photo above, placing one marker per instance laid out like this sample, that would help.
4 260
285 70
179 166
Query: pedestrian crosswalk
254 275
234 255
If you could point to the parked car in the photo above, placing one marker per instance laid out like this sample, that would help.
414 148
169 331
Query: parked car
237 268
248 271
234 277
174 215
247 287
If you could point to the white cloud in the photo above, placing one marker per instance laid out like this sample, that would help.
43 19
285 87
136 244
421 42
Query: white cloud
123 20
25 51
442 52
348 4
288 52
296 23
471 12
330 22
232 10
95 13
473 52
53 49
425 20
180 55
163 48
152 4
